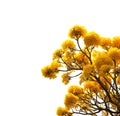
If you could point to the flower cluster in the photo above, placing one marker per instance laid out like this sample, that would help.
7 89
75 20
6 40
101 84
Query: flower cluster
116 41
93 86
95 63
92 39
51 70
63 112
77 31
70 100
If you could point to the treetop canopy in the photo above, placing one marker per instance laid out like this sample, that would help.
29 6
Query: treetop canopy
95 61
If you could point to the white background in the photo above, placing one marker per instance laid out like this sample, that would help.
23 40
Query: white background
30 30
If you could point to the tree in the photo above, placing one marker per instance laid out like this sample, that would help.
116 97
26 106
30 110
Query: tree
95 61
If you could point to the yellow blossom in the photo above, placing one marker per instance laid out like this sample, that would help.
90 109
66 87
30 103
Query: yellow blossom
81 59
103 59
76 90
105 42
68 58
63 112
104 69
69 55
114 53
92 39
48 72
51 70
70 100
57 53
77 31
116 41
93 86
65 78
68 44
94 55
55 65
88 69
68 63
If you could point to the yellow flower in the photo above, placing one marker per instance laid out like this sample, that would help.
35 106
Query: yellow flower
76 90
55 65
88 69
70 100
104 69
68 59
77 31
93 86
48 72
81 59
105 42
116 41
57 53
103 59
51 70
68 44
63 112
114 53
65 78
92 39
95 54
68 55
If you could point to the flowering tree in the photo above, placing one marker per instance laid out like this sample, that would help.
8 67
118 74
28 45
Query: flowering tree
95 61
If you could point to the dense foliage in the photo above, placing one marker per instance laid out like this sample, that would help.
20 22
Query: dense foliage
95 60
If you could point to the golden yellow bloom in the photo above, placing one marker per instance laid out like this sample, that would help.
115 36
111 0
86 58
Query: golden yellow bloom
68 44
81 59
51 70
92 39
93 86
94 55
104 69
77 31
68 58
105 42
57 53
114 53
70 100
103 59
65 78
63 112
116 41
48 72
68 55
55 65
88 69
76 90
